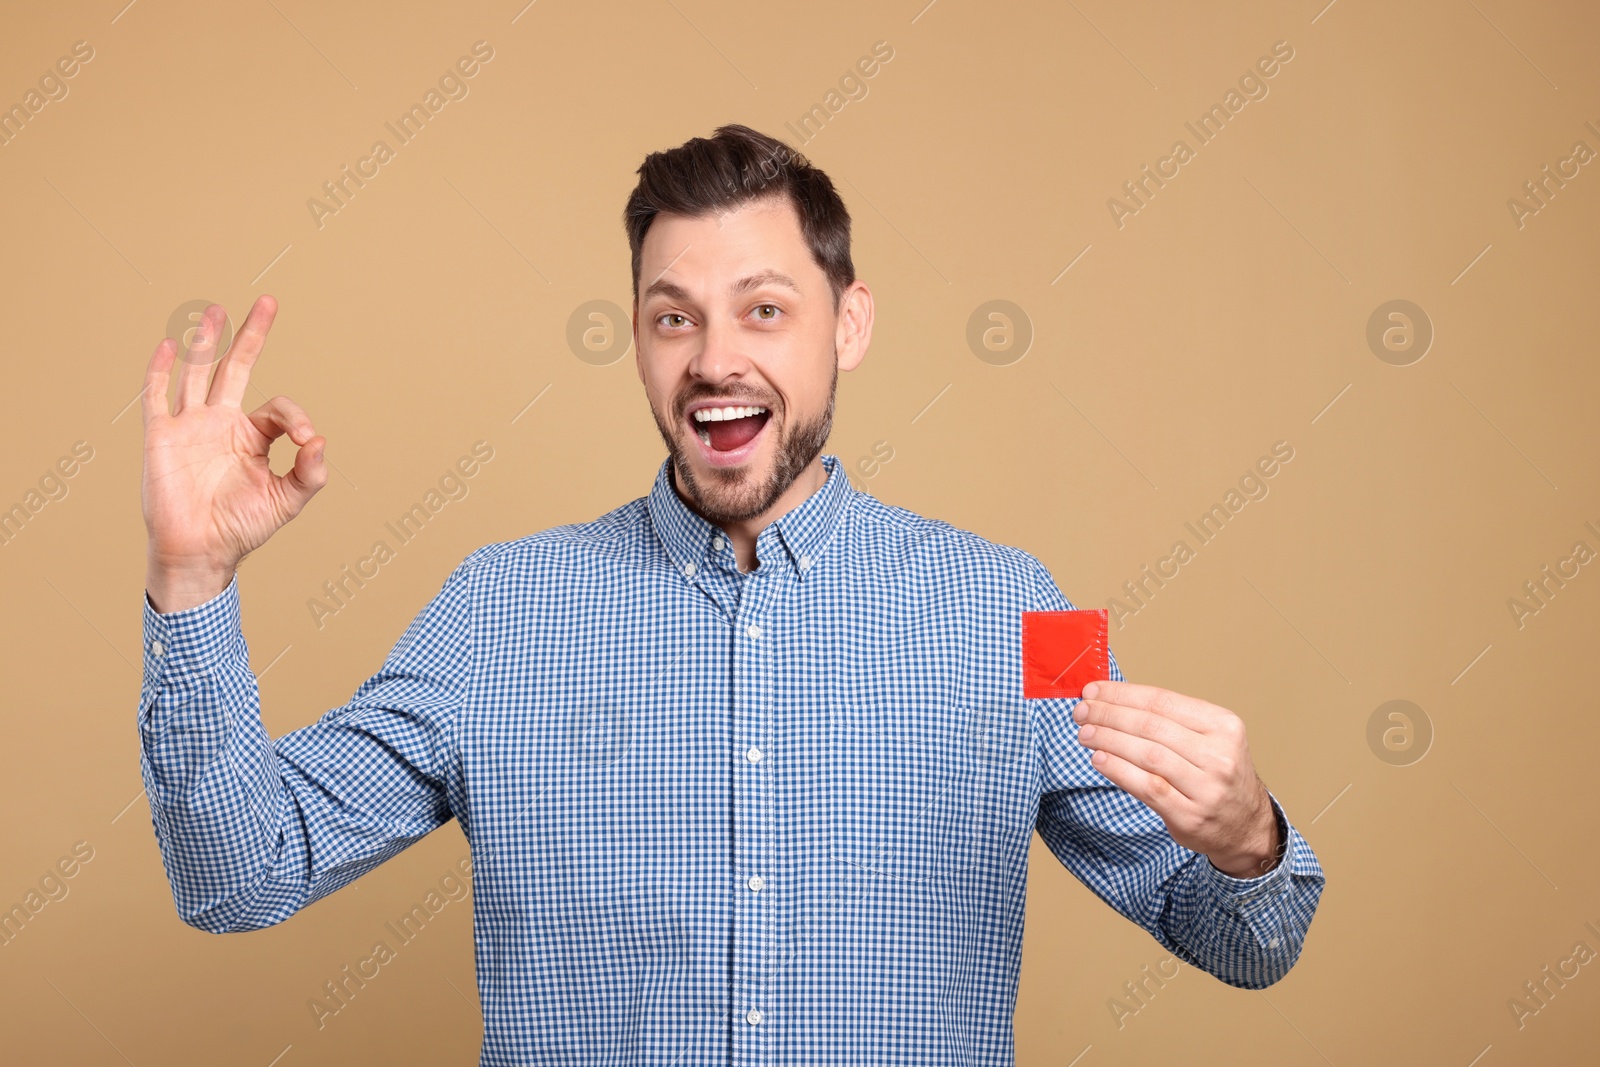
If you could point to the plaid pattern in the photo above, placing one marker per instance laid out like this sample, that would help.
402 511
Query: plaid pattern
776 817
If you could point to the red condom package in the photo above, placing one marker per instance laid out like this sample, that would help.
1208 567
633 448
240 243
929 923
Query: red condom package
1062 651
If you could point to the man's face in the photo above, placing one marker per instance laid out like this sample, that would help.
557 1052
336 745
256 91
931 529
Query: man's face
734 312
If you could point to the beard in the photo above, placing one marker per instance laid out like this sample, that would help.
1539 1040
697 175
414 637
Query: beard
736 494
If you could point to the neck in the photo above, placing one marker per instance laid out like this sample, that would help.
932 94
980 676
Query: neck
742 533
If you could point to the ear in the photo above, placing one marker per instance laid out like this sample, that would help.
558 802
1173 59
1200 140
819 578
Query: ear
854 331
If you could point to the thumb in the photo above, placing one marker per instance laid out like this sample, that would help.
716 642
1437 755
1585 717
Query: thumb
309 473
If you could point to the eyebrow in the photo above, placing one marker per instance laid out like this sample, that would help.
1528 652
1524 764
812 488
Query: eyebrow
673 291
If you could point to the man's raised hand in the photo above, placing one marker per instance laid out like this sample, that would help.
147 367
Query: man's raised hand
1188 760
209 496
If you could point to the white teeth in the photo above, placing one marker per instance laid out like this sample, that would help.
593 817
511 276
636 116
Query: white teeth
721 414
705 436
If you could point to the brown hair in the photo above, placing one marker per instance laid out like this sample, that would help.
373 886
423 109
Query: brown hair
734 167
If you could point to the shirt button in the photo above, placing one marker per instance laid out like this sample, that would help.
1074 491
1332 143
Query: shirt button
1273 943
158 648
716 543
805 562
752 754
757 883
754 631
688 570
753 1016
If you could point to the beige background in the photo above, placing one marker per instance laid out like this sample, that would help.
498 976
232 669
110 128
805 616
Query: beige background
1228 314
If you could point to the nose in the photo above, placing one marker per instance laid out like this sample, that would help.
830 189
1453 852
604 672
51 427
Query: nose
718 355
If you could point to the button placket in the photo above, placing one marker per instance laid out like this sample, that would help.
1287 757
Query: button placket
753 812
754 662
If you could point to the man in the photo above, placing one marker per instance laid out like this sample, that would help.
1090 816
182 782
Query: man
745 763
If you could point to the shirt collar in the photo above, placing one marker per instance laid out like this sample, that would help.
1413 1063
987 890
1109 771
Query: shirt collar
802 532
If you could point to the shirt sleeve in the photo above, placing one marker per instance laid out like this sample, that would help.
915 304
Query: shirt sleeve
1247 932
251 829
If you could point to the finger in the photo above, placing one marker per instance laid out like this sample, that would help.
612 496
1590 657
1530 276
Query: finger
309 474
1155 792
233 373
157 377
202 352
1195 714
1149 756
280 416
1145 724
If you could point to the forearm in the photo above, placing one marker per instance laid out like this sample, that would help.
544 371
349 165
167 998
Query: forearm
253 829
209 769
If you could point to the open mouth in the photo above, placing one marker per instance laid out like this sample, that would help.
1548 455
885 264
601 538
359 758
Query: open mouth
728 434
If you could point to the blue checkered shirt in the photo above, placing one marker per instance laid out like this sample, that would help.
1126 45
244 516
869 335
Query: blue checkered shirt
762 818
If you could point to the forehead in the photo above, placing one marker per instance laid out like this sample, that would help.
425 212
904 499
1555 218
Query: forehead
705 252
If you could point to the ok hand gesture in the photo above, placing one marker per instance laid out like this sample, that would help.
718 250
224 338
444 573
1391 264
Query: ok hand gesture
209 496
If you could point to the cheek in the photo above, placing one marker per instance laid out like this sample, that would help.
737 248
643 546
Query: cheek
802 406
661 386
802 375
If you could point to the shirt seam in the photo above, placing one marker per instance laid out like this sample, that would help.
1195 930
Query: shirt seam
453 756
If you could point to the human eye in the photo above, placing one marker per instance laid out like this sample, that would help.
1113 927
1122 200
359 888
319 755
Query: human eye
776 311
660 319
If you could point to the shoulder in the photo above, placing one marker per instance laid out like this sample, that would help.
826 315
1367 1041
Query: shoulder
934 545
614 536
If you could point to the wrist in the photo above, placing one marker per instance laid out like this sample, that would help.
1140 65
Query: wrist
1261 854
179 587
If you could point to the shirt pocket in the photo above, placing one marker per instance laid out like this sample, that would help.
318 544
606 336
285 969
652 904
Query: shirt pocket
906 789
